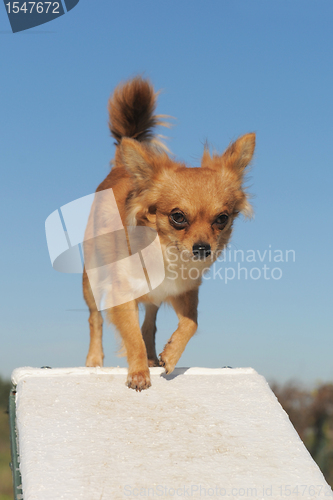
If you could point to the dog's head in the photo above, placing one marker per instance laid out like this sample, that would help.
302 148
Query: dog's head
192 209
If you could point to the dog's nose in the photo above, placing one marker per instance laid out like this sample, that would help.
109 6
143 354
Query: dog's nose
201 250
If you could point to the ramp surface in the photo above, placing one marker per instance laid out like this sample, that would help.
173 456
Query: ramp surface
198 433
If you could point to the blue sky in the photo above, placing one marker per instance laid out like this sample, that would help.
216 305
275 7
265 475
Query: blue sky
225 68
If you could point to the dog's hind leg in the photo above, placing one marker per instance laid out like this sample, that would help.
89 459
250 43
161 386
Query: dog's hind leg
148 333
95 354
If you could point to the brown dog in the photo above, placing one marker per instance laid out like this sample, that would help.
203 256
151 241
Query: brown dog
191 209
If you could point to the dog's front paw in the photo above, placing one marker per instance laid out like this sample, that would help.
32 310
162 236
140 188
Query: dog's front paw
167 362
139 380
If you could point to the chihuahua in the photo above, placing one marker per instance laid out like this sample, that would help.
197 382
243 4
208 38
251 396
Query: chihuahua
191 210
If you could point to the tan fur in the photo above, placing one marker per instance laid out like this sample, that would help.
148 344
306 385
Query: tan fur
149 188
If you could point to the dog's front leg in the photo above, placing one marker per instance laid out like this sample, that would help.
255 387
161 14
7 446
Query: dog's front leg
186 307
125 317
95 353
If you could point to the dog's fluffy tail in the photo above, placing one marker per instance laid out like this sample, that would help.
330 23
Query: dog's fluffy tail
131 112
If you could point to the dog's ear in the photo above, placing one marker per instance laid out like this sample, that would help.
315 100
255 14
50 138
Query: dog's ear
231 164
235 158
206 158
239 154
139 160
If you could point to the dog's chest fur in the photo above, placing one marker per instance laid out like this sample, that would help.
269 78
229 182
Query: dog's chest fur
181 275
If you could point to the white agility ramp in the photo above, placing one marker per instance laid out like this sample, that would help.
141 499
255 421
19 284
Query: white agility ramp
198 433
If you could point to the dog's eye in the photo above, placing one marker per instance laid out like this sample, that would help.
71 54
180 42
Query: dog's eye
178 220
221 221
